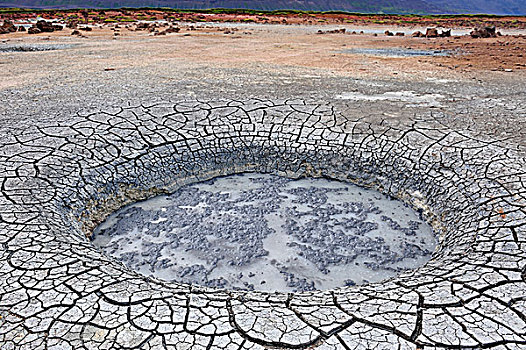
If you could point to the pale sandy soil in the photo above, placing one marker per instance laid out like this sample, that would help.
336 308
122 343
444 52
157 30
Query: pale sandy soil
276 47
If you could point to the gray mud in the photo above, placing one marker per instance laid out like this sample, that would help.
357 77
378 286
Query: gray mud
265 232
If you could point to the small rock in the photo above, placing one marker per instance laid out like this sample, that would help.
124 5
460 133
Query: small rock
445 33
334 31
33 30
486 32
173 30
7 27
45 26
431 33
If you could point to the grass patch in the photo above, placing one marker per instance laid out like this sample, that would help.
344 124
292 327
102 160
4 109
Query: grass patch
392 11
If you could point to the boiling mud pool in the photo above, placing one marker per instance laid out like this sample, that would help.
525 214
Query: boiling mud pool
270 233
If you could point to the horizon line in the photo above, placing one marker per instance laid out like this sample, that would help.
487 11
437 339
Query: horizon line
233 9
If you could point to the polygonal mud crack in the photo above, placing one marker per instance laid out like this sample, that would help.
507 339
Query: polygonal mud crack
58 290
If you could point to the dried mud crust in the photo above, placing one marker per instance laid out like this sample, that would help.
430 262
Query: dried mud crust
57 291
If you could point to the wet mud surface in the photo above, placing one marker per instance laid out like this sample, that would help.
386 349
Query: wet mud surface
270 233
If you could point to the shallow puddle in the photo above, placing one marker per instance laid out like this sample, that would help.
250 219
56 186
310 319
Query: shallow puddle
33 47
397 52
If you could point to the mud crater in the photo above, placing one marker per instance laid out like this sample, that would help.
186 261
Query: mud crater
265 232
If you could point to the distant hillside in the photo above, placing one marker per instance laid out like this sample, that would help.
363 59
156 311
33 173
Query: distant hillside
496 7
511 7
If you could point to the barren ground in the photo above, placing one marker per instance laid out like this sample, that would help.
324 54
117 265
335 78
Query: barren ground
281 47
110 66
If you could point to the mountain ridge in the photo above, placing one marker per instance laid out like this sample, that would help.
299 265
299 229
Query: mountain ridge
503 7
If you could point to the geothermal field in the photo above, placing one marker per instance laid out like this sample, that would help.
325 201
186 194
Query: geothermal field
261 180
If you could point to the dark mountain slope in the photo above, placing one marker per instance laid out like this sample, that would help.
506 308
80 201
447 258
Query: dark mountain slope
497 7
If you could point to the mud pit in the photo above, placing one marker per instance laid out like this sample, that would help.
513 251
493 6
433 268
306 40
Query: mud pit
269 233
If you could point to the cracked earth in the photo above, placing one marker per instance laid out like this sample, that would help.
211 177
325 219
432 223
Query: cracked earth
79 142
